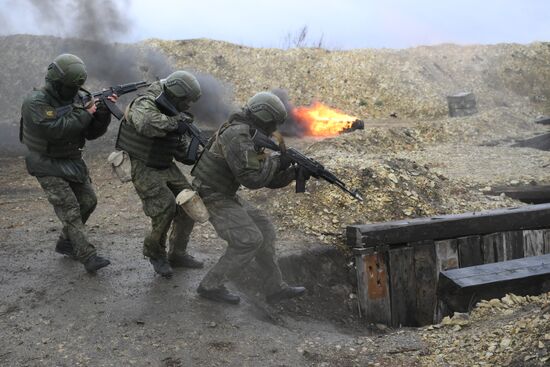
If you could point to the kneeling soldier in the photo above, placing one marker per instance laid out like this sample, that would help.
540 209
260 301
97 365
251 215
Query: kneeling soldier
153 135
230 160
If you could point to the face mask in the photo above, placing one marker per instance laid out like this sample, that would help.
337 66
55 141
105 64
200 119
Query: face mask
182 106
67 92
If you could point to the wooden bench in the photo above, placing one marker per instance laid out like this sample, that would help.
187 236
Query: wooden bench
462 288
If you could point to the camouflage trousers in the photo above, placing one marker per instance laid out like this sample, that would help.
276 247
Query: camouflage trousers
157 190
73 204
249 234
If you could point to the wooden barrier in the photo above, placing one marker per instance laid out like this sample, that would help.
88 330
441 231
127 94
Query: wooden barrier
461 288
399 263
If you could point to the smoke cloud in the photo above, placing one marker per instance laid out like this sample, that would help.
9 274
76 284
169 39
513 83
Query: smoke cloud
90 30
216 102
98 23
291 127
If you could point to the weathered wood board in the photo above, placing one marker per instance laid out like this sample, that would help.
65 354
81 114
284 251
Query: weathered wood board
513 242
469 251
533 242
426 281
532 194
402 286
462 288
373 286
449 226
446 253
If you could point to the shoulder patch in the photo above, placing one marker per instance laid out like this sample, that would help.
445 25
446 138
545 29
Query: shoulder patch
49 112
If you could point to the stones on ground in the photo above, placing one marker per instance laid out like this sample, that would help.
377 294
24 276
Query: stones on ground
501 332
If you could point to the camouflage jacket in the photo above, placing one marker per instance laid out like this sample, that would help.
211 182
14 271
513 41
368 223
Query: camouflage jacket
59 125
148 120
232 160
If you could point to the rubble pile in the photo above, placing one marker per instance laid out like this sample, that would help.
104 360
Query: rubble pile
511 331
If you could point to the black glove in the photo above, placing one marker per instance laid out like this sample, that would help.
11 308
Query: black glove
285 161
102 113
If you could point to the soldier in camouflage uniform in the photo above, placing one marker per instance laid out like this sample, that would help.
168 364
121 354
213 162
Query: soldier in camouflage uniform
153 134
229 161
55 126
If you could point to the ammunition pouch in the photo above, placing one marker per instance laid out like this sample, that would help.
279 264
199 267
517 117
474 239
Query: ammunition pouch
121 165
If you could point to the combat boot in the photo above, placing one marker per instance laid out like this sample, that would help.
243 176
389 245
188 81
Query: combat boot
220 294
95 263
185 261
65 247
285 293
161 266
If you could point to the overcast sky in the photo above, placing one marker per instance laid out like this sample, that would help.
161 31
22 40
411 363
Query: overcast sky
342 24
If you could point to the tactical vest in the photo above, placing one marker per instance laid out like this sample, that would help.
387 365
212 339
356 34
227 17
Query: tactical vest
154 152
213 171
32 137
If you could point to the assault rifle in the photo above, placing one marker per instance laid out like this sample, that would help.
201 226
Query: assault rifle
119 90
306 164
186 126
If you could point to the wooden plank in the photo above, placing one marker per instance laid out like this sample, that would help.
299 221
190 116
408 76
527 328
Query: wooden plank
544 120
446 257
373 288
402 286
456 225
532 194
462 288
469 251
541 142
500 247
492 248
533 242
501 271
513 243
488 249
426 281
546 236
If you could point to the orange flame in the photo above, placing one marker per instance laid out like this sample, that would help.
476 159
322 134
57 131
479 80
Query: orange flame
321 120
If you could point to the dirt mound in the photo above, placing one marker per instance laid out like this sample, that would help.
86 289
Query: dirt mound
393 188
512 331
374 83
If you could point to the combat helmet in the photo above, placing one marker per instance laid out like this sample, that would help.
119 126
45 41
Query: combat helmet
182 88
67 73
267 111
